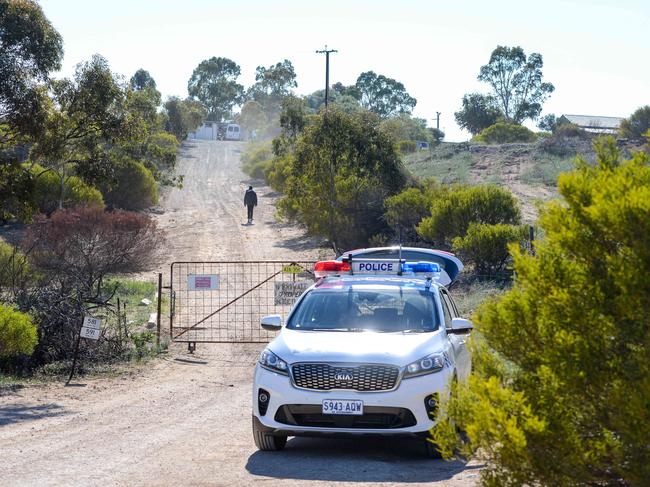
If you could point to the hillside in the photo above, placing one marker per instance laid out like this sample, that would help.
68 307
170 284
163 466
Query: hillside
530 171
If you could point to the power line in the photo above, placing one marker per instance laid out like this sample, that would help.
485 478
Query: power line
327 71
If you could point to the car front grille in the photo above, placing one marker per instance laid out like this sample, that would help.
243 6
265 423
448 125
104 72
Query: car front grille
373 417
364 377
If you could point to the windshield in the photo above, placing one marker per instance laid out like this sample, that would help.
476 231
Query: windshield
361 308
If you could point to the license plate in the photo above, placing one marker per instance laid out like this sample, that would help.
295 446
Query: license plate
342 406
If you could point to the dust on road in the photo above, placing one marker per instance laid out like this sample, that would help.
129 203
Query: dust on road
185 420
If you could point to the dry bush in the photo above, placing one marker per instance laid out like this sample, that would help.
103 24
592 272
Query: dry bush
78 247
73 251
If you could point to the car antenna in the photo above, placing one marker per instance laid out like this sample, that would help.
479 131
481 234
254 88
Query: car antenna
399 256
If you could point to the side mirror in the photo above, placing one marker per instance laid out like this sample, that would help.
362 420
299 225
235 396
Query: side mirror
461 325
272 322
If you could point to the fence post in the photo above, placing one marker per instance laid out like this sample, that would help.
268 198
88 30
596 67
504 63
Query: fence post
159 309
531 236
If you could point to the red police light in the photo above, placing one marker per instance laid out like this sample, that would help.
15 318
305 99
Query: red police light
326 267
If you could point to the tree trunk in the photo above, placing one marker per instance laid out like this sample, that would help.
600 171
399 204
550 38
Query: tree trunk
62 189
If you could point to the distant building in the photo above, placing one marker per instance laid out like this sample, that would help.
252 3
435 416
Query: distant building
593 123
216 131
208 131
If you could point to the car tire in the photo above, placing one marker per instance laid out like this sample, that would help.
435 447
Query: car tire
267 442
431 450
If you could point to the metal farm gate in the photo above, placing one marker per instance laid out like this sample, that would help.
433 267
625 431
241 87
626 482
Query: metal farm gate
223 302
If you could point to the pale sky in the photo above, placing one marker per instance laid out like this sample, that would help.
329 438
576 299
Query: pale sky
596 53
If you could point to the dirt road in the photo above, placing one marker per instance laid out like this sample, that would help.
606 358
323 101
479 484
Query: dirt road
206 219
185 419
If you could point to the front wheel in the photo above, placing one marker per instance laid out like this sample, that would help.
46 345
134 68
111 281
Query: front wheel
265 441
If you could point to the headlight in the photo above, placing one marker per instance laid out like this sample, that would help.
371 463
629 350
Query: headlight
427 365
271 361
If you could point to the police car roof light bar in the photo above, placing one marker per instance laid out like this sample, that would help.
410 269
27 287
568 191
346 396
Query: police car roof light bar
376 267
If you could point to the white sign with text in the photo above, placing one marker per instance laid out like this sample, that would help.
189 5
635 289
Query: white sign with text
91 328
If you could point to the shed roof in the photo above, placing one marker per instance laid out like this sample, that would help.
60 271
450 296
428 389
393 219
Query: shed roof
594 121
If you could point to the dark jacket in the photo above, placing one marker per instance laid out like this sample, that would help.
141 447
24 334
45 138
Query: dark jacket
250 198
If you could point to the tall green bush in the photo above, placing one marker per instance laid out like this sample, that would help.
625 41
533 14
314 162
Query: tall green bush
636 125
560 393
405 210
47 191
342 170
135 187
453 212
17 333
504 133
486 246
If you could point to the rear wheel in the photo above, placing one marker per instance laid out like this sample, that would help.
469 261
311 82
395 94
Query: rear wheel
265 441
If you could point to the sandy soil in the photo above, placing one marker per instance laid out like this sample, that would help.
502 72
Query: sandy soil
185 420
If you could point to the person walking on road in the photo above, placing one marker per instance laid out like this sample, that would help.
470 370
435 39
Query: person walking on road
250 202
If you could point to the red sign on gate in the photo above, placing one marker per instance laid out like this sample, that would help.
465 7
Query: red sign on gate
205 282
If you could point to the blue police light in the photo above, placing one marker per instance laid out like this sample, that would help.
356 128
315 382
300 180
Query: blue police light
421 267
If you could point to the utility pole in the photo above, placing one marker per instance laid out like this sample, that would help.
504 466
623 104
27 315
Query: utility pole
438 120
327 71
332 234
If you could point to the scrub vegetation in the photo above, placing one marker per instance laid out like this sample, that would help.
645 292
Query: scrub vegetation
559 394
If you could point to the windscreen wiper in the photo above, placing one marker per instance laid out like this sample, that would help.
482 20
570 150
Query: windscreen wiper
326 329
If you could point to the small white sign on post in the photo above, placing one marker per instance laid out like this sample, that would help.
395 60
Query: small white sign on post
91 328
203 282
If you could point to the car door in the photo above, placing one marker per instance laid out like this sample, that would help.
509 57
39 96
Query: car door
457 340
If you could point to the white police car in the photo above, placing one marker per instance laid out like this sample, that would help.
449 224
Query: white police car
370 348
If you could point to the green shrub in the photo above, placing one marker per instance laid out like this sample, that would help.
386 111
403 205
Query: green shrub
143 344
17 333
452 212
135 187
560 386
14 267
257 159
486 246
636 125
278 171
47 191
505 133
405 210
564 141
161 150
379 240
407 146
570 130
